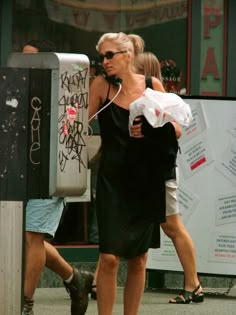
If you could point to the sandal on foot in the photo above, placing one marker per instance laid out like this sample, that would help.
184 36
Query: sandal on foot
186 297
197 297
181 298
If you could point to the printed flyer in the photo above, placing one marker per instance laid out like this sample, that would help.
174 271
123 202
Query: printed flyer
195 155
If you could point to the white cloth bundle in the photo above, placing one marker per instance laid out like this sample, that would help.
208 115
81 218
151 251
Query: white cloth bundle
159 108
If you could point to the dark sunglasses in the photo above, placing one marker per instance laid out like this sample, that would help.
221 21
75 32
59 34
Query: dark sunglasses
110 55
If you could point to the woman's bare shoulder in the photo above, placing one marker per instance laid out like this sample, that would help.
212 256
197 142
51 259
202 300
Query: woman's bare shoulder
98 91
157 84
100 79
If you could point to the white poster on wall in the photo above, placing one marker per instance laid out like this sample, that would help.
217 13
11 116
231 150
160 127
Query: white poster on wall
227 164
187 202
198 124
222 248
207 189
195 155
232 125
226 208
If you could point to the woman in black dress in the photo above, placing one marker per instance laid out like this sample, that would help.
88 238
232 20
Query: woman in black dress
126 205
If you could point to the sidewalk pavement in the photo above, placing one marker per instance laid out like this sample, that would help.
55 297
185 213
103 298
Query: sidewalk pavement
50 301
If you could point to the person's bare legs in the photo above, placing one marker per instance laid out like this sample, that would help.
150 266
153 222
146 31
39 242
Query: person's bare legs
135 284
35 257
106 283
176 231
94 284
38 254
56 263
96 270
72 278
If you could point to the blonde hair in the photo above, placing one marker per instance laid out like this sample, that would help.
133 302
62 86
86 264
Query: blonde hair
148 64
132 43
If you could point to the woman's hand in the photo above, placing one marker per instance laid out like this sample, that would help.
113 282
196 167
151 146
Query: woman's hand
136 128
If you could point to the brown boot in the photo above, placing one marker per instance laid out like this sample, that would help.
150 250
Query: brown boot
79 289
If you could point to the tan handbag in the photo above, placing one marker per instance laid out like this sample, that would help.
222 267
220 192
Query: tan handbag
94 148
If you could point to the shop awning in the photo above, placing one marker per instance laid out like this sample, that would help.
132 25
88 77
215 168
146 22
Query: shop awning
115 15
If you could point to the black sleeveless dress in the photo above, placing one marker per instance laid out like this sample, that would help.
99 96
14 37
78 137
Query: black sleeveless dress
126 225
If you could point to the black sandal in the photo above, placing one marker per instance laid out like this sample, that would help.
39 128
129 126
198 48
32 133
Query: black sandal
186 297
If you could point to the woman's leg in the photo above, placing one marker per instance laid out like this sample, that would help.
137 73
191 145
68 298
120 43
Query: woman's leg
135 284
96 270
94 284
56 262
176 231
106 283
35 257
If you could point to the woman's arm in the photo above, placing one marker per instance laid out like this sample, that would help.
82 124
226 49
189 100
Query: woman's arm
97 94
178 129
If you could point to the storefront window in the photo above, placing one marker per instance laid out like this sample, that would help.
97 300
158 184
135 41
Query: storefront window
75 26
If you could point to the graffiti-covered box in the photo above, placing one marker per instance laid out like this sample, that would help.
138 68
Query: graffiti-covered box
68 118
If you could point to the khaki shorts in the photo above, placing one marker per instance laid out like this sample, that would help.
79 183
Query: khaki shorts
171 195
